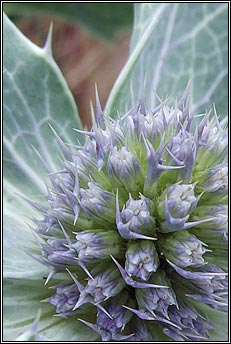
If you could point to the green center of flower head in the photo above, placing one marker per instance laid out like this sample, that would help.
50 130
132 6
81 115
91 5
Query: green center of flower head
136 226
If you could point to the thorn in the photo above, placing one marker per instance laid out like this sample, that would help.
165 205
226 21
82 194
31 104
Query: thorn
132 94
75 219
36 321
93 327
85 132
79 285
142 107
73 203
34 204
45 300
59 315
57 172
197 223
50 275
76 185
104 310
82 300
93 118
43 161
38 239
99 111
66 152
48 44
118 216
98 105
65 234
82 265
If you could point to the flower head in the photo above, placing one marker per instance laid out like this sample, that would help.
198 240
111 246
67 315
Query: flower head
134 218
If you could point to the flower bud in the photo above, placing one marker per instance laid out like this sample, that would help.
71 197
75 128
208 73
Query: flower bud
98 203
157 299
175 205
212 291
140 332
190 323
91 245
110 323
216 230
135 220
183 249
212 143
141 259
155 167
215 181
58 253
182 149
151 126
65 298
105 285
123 166
119 318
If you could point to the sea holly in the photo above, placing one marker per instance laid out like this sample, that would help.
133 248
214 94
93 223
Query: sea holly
128 240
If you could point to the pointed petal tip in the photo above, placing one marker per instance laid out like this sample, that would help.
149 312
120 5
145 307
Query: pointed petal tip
78 284
83 266
65 233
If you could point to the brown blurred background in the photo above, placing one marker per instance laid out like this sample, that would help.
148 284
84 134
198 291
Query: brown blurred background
84 58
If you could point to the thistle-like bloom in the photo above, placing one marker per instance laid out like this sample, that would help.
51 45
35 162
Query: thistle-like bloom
136 227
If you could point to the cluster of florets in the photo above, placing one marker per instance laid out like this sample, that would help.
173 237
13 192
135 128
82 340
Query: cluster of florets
135 218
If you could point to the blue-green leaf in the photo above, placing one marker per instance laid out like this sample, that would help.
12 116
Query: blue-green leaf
35 94
173 43
21 304
17 238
